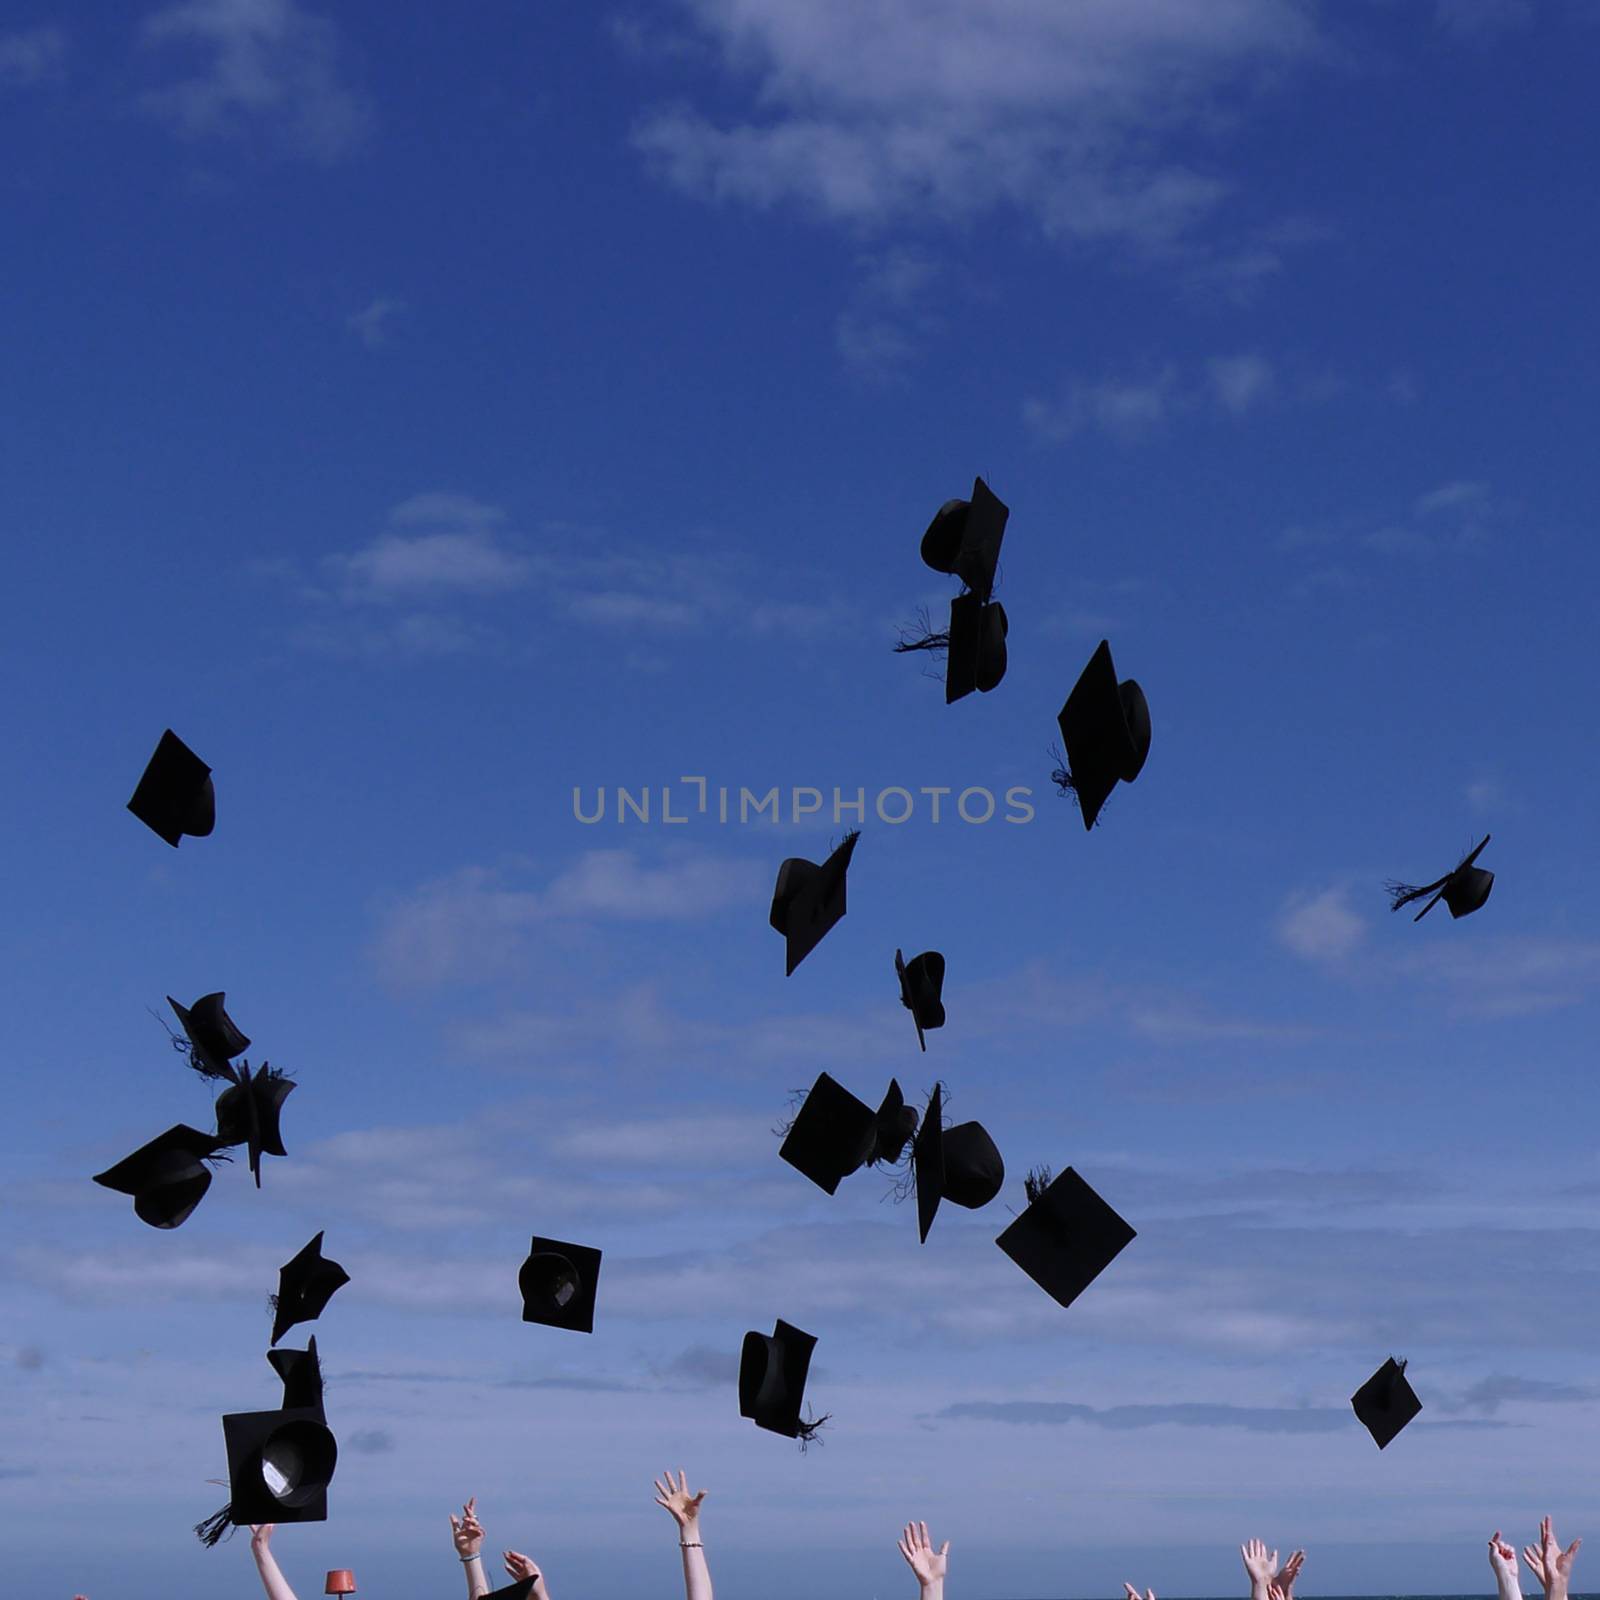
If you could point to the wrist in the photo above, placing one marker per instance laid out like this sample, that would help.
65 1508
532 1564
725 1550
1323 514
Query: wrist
932 1588
468 1560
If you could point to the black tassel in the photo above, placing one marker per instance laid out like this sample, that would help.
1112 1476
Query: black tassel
1036 1182
797 1098
210 1532
1061 777
809 1429
922 635
181 1043
1402 894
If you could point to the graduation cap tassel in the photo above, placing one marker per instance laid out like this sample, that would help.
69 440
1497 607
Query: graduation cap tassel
1402 894
810 1427
210 1532
922 635
1037 1181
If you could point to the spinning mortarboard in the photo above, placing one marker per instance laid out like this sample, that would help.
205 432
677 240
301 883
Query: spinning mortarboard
921 984
772 1379
213 1039
964 539
1105 726
167 1177
305 1285
975 656
558 1283
959 1164
836 1134
808 900
1386 1402
301 1372
280 1464
175 796
1464 888
1066 1238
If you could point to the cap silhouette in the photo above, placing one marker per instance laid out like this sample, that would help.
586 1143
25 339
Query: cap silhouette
301 1372
959 1164
1105 726
809 899
1386 1402
558 1283
975 654
305 1285
168 1177
772 1380
835 1134
175 796
280 1464
1066 1238
964 539
921 985
213 1039
1463 889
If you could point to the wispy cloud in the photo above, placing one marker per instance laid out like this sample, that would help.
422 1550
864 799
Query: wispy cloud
1255 1419
31 56
1240 382
1123 408
371 323
888 319
265 64
1323 927
870 110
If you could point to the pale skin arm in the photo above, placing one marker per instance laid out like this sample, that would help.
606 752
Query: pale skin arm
272 1580
1503 1564
1262 1566
1133 1594
466 1533
928 1564
1551 1565
685 1510
520 1566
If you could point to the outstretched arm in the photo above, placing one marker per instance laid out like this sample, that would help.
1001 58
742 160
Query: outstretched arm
1261 1565
928 1564
466 1533
1503 1563
273 1581
685 1510
1551 1565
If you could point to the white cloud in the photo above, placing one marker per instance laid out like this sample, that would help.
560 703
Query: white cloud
870 110
371 324
1240 382
1462 496
31 56
461 510
1123 408
267 63
1324 928
395 565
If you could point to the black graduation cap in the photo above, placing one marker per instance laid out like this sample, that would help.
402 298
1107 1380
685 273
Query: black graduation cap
213 1039
772 1379
167 1177
305 1285
964 539
959 1164
301 1372
896 1123
558 1283
975 656
1066 1238
921 984
1386 1402
280 1464
832 1135
175 795
1464 888
807 900
248 1112
520 1590
1105 726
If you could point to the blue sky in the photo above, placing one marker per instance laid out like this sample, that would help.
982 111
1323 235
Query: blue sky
428 415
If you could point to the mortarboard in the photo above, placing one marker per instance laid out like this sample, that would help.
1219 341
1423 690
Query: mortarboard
808 900
772 1379
1066 1238
558 1283
1463 889
213 1039
305 1285
896 1123
248 1112
964 539
975 655
1105 726
167 1177
280 1464
175 796
959 1164
921 984
832 1135
1386 1402
301 1372
520 1590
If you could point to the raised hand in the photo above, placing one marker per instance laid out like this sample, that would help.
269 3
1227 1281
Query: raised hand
466 1530
520 1566
1261 1565
685 1507
928 1564
1287 1573
1503 1564
1133 1594
1550 1564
